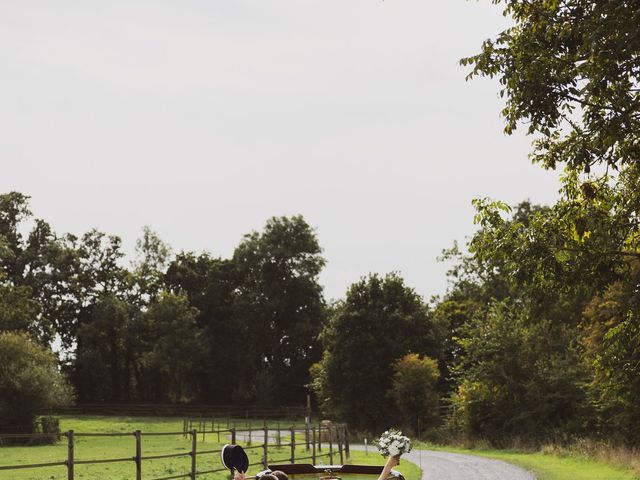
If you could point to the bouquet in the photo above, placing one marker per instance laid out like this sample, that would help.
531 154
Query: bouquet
393 443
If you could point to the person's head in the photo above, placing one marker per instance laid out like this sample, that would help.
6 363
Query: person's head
280 475
268 476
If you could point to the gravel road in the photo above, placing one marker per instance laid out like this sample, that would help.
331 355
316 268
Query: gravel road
456 466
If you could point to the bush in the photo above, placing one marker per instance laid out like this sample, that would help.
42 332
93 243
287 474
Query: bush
30 383
519 379
414 391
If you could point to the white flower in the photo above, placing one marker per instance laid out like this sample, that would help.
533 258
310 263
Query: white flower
393 443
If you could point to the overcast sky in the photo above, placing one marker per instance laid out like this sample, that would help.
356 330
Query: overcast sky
203 118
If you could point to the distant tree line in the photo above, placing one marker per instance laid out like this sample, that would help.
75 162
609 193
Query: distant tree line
179 328
538 337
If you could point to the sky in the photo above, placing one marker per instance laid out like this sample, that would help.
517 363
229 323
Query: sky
202 119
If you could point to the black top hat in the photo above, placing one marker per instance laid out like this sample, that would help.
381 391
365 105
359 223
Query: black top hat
234 458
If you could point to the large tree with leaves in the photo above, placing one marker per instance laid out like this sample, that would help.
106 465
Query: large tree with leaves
570 70
33 268
380 321
517 361
280 301
210 284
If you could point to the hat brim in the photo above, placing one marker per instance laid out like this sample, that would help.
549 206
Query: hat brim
234 457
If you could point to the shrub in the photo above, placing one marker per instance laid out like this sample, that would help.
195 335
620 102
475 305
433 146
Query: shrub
414 390
30 382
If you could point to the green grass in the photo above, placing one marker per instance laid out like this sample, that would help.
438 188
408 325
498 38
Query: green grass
551 467
546 466
97 448
409 470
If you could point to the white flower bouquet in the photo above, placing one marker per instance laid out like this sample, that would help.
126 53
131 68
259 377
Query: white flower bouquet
393 443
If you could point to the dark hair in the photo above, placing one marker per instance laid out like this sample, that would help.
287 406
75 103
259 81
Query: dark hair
268 476
280 475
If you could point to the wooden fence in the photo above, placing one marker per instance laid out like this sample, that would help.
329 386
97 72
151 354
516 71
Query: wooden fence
332 440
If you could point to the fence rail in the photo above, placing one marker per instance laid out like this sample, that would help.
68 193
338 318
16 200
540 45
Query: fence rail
271 438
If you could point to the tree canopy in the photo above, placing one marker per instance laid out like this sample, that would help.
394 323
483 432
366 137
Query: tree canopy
379 321
167 327
570 70
30 381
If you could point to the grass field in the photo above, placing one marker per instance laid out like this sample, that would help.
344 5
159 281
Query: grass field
546 466
97 448
551 467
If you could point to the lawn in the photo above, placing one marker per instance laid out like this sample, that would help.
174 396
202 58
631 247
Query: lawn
409 470
97 448
546 466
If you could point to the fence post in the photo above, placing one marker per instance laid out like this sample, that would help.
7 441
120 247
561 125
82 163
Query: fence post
194 441
313 444
306 433
266 447
330 446
233 442
346 442
138 457
319 437
339 441
293 445
70 445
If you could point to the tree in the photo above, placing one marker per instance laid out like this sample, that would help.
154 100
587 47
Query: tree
519 378
149 268
103 358
280 301
415 391
18 310
14 210
30 266
570 70
611 337
93 272
30 382
452 313
211 286
518 300
174 347
380 321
